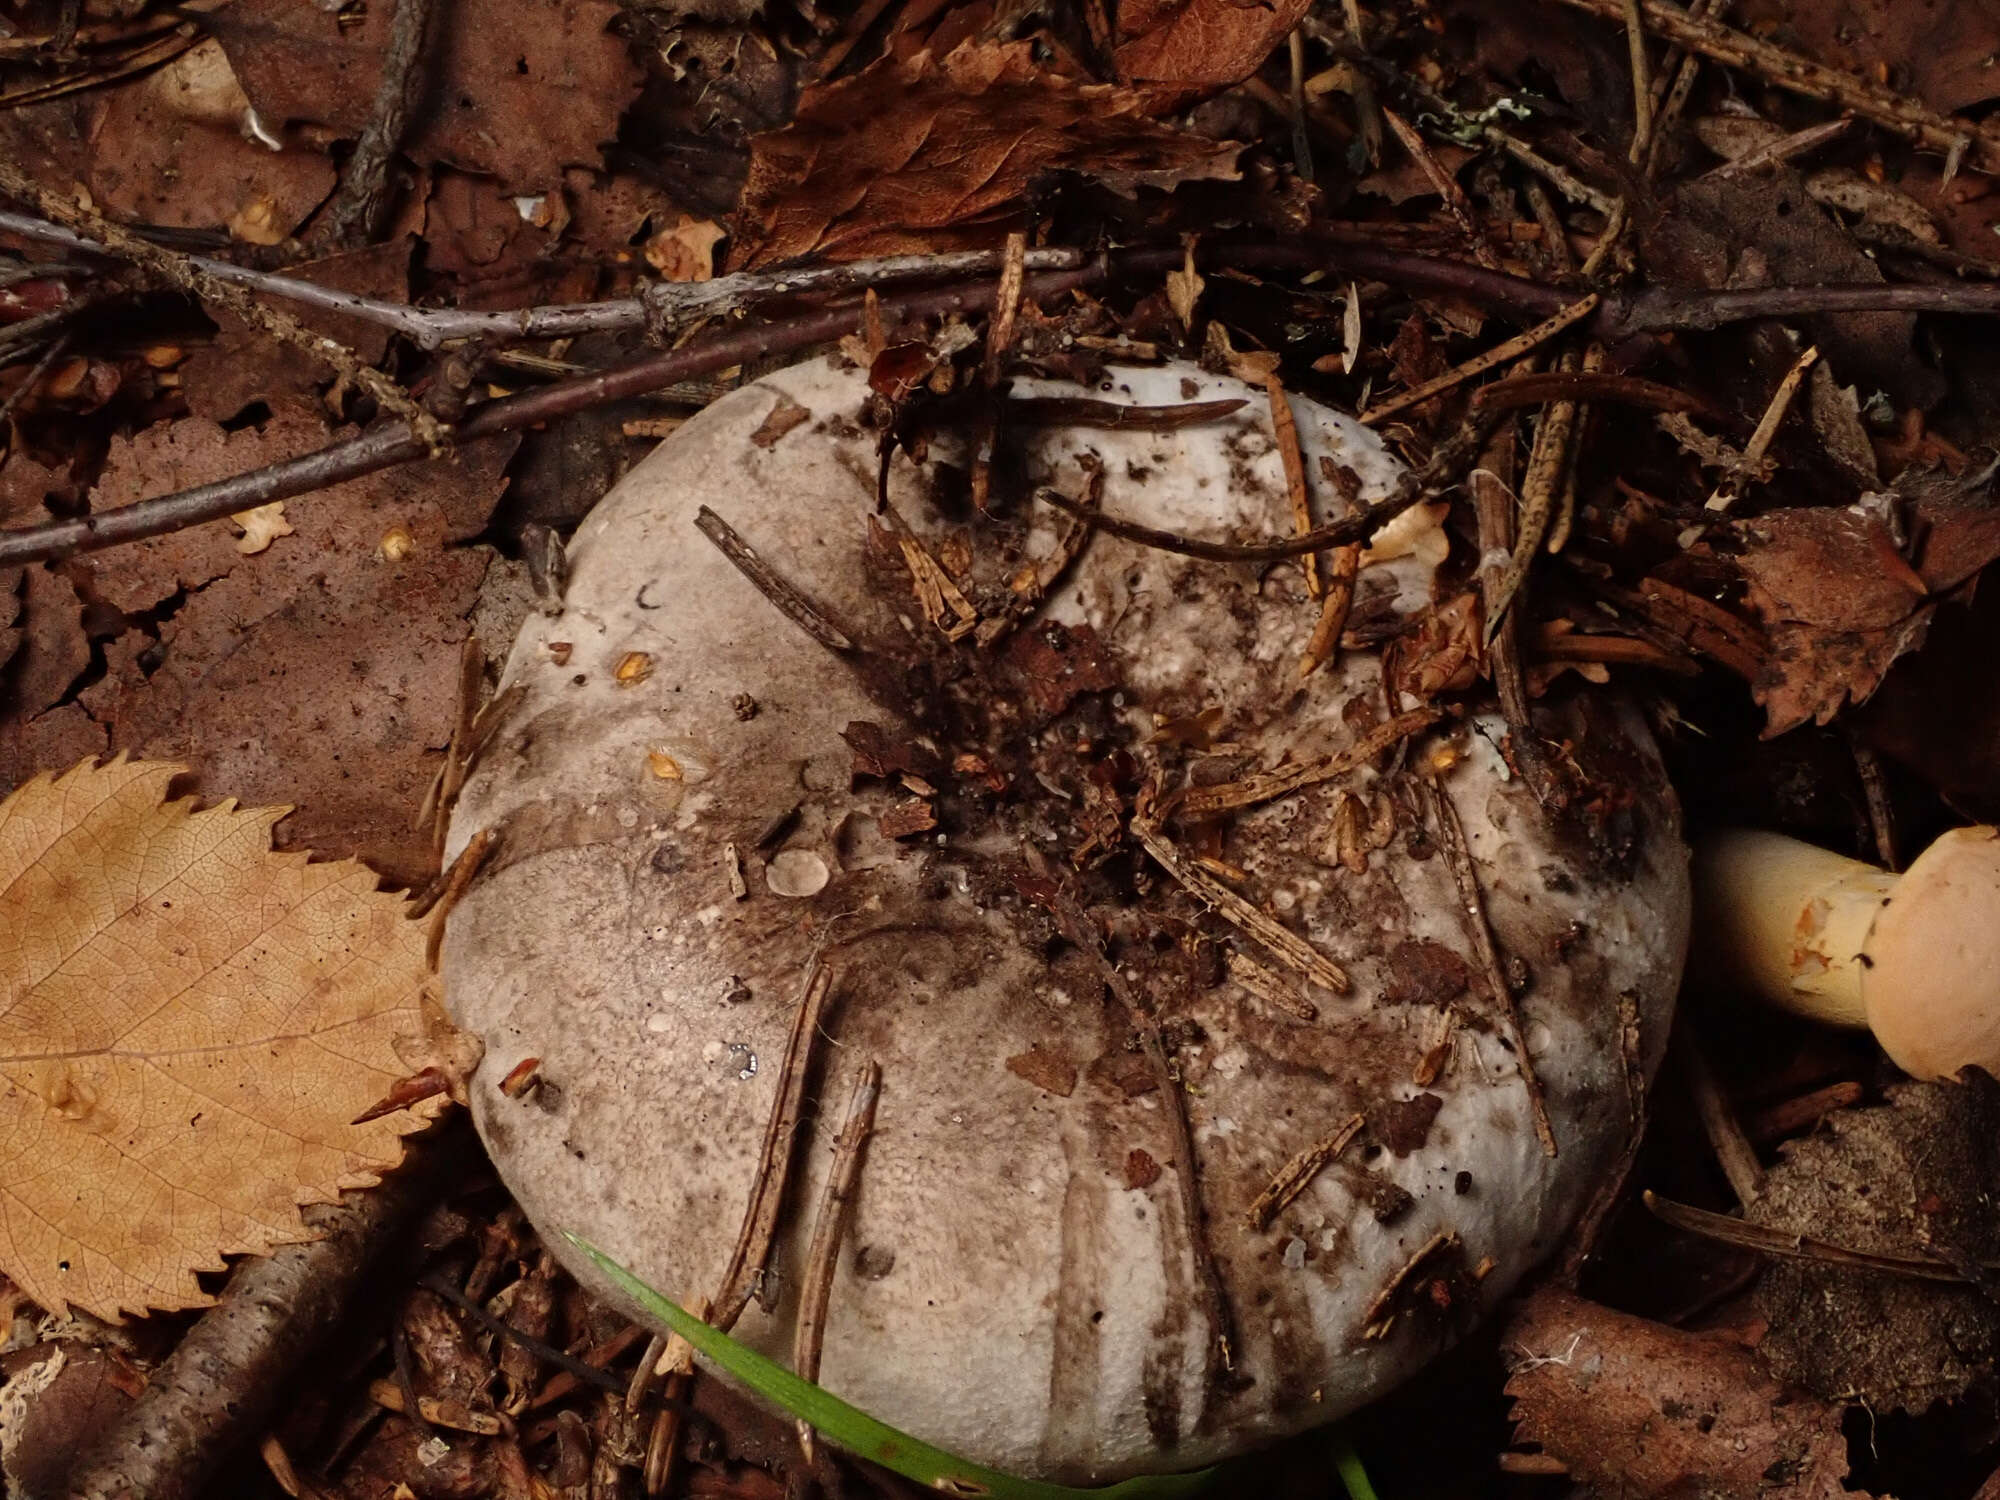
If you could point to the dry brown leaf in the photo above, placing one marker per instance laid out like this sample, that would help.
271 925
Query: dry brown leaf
519 89
236 676
1940 53
188 1022
1636 1409
154 158
1201 44
687 251
922 154
1841 602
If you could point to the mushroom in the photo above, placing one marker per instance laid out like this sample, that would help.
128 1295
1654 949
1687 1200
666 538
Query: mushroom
1242 1038
1912 957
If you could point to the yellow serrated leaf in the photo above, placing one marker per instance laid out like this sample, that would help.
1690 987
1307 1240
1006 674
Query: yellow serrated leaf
188 1022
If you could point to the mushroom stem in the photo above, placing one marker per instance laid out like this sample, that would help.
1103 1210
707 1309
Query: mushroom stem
1912 957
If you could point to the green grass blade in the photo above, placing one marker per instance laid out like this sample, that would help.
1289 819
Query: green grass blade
860 1433
1348 1464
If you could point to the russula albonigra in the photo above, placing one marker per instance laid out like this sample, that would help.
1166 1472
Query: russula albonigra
1914 957
1101 865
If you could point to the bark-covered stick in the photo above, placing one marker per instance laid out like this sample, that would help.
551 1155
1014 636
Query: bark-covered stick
218 1390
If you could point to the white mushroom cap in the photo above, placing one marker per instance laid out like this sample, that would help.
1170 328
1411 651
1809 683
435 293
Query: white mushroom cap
1914 957
1018 1285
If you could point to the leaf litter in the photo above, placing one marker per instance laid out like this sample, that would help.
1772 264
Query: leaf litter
191 1021
569 148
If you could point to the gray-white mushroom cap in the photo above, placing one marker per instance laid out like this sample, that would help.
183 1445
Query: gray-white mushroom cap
681 829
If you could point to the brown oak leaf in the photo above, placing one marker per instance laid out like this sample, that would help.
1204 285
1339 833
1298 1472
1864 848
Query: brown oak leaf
518 89
923 154
236 676
1841 600
1636 1409
1201 43
188 1022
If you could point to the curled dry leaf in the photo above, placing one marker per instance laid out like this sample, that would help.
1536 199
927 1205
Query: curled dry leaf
1636 1409
1201 43
1845 590
188 1022
924 154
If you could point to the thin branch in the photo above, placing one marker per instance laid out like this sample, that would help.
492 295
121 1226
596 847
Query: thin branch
360 210
1762 1240
670 304
829 1224
752 1252
393 443
1479 364
1418 484
179 271
1800 75
1451 835
221 1386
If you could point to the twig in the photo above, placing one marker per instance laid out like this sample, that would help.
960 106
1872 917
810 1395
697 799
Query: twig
547 1353
1548 458
1378 1319
1494 505
1784 148
1782 1246
1419 484
222 1385
1788 70
1447 188
392 443
1479 364
1343 569
34 376
669 304
1733 1151
795 607
1588 385
1767 429
1298 955
829 1224
1875 792
1082 933
1642 83
1451 835
360 210
1789 1115
760 1214
1296 1174
1285 429
179 271
1267 786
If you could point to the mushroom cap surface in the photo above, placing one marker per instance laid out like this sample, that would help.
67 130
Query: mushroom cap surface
1932 977
1019 1282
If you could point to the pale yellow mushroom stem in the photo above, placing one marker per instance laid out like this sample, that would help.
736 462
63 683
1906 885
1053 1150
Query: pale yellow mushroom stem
1913 957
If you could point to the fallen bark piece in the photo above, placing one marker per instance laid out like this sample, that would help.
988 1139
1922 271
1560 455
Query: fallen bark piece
1049 1271
1636 1410
221 1387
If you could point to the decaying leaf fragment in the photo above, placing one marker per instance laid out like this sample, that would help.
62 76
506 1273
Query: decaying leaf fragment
1201 43
922 154
188 1022
1636 1409
1843 591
